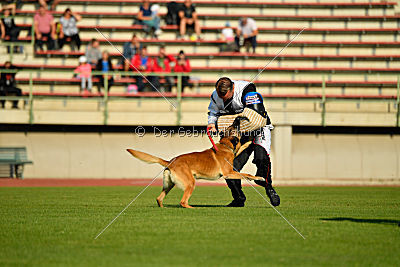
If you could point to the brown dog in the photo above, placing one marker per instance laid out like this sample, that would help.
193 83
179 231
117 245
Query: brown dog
209 164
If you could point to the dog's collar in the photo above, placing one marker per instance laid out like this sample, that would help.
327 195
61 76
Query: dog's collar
233 151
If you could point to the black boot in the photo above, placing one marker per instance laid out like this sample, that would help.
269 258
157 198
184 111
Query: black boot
273 196
238 196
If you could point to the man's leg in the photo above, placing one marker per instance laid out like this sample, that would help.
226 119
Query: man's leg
262 160
236 185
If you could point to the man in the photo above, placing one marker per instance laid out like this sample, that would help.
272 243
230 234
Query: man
8 84
142 62
129 51
246 32
93 53
231 97
162 63
188 16
45 29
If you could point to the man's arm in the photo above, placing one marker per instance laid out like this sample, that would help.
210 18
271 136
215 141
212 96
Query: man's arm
253 100
212 113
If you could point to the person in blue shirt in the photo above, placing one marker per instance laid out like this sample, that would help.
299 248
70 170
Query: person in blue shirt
148 17
104 65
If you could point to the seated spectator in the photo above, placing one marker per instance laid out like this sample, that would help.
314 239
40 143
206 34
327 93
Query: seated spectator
104 65
246 33
148 16
84 71
188 16
9 31
45 29
69 32
129 51
172 17
141 63
183 65
227 35
93 53
52 3
162 63
8 85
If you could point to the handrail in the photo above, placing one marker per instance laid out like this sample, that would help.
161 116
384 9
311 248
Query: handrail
106 97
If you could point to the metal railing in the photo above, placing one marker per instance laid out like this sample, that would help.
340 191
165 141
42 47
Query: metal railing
105 98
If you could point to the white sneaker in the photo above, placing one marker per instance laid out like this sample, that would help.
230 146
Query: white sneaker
158 32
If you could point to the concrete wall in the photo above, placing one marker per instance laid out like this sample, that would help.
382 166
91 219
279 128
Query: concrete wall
299 158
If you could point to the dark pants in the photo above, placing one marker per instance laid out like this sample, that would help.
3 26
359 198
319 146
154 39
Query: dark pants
10 91
13 34
73 40
46 39
169 82
251 40
101 83
154 80
185 82
261 160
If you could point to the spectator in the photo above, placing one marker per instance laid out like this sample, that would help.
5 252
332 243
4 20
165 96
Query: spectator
148 16
9 31
141 62
45 29
129 51
188 16
93 53
162 63
44 3
69 32
183 65
227 35
84 71
104 65
246 33
8 85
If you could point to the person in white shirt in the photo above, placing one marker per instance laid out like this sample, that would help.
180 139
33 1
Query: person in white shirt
246 32
228 37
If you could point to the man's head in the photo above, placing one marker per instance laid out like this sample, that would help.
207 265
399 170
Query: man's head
134 39
243 21
67 13
95 43
188 3
162 51
143 51
7 65
224 87
42 10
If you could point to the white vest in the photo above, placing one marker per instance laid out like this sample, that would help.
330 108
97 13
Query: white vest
236 103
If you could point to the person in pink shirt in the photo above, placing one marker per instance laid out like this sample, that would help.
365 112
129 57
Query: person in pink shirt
45 29
84 71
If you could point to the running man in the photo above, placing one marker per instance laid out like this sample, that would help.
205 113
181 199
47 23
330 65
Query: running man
231 97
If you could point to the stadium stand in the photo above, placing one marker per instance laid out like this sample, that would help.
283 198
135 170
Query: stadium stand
349 49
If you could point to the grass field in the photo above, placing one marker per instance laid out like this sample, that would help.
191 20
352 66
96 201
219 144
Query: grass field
57 226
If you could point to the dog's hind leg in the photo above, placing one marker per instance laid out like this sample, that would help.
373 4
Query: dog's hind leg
183 178
167 186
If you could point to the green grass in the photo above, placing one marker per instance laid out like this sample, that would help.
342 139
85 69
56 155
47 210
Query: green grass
57 226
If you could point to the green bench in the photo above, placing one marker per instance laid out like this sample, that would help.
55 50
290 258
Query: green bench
12 161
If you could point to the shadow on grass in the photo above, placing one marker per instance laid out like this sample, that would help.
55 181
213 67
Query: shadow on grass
376 221
195 206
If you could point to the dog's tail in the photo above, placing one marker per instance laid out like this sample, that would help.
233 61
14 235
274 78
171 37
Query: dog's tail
148 158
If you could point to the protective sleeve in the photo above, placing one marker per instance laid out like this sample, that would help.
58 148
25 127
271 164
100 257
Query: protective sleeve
212 110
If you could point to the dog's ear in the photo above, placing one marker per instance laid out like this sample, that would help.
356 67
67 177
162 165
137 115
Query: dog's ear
236 122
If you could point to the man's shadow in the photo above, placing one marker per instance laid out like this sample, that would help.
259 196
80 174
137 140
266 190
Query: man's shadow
356 220
194 206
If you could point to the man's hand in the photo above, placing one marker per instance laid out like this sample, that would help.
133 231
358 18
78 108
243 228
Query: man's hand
211 127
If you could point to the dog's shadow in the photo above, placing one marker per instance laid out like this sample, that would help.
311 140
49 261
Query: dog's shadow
357 220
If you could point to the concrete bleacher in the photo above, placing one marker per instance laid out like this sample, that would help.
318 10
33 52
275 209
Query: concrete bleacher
352 45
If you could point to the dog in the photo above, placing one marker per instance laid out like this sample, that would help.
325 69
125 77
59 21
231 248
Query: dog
209 164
